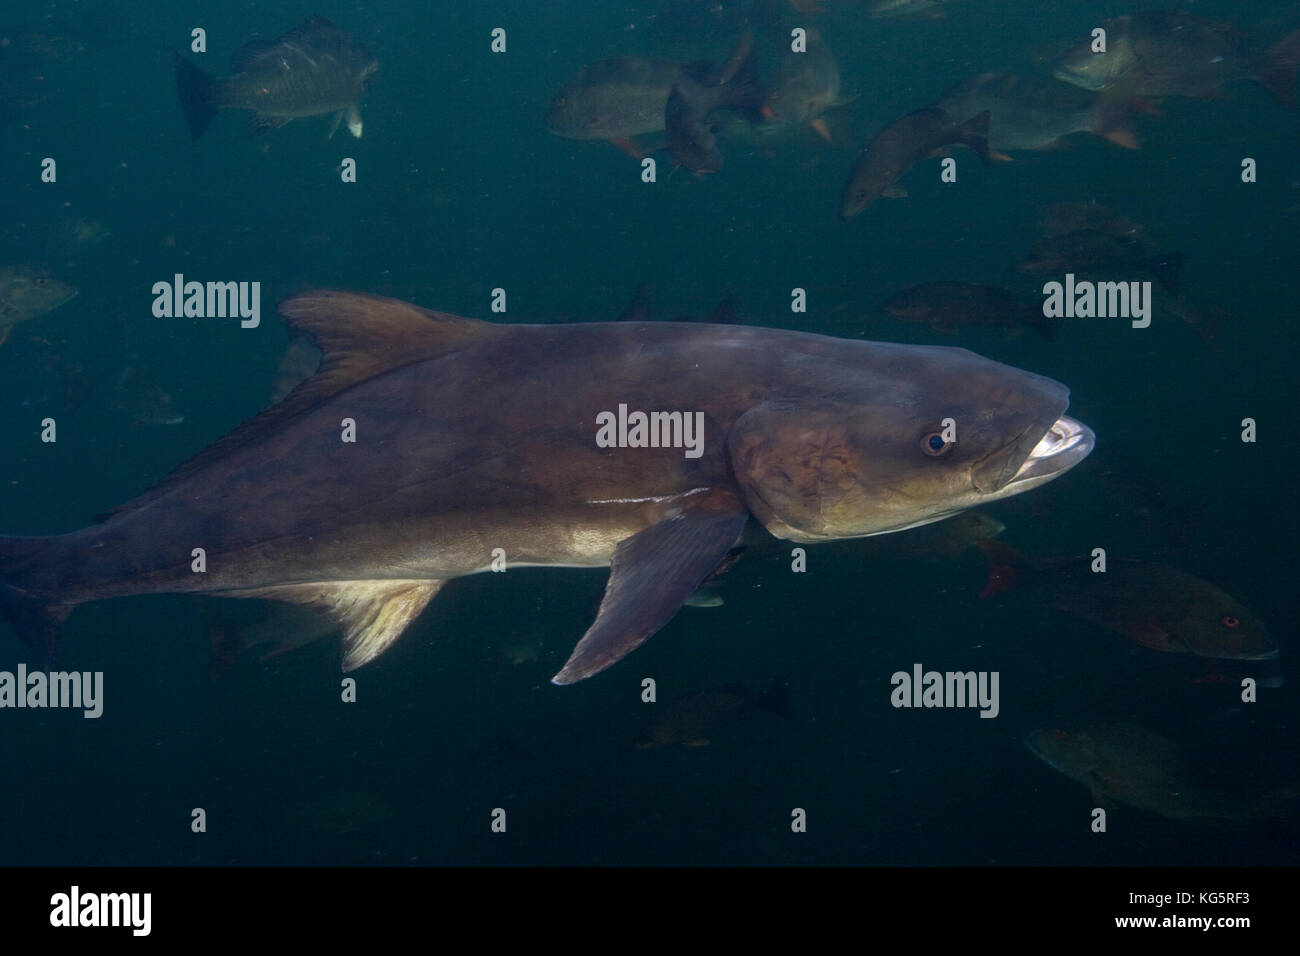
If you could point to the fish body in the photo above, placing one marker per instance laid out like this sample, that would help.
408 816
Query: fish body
615 99
1111 257
903 143
1180 54
689 720
392 471
804 86
948 307
1124 763
624 97
1154 605
27 294
315 69
1026 113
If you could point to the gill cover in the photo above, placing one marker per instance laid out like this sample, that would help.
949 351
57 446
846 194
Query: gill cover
789 459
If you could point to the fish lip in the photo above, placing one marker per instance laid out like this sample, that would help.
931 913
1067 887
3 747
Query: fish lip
1061 447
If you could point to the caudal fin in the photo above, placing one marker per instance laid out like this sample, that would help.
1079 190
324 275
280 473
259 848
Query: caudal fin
37 617
198 95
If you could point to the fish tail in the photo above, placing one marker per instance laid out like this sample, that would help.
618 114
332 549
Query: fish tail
27 601
1281 63
198 95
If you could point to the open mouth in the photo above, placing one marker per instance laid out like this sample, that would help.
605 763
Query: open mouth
1063 446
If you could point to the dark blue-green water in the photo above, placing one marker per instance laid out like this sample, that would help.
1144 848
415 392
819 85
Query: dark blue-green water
462 190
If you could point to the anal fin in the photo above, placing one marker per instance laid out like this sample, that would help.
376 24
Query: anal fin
372 614
651 576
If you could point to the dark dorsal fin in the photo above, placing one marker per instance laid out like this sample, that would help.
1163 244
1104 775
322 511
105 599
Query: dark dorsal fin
361 336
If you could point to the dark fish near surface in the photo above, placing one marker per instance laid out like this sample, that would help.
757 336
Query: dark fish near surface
1181 54
624 97
948 307
903 143
815 438
1124 763
688 720
26 294
1026 113
1153 605
313 70
1090 252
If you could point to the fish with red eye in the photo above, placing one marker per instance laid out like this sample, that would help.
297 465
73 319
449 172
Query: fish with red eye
1154 605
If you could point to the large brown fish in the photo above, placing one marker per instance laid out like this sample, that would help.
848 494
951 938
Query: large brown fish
468 437
903 143
315 69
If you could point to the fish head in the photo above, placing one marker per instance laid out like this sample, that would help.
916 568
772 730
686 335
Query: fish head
1098 71
25 295
573 112
894 436
1215 624
1073 751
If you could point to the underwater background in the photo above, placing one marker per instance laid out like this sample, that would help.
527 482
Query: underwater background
460 190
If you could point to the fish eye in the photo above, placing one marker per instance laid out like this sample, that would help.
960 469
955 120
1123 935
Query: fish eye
933 444
41 281
1060 734
1229 621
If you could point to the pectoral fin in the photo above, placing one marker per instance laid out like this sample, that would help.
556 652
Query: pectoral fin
334 124
651 576
372 614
